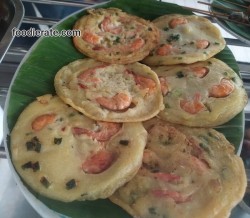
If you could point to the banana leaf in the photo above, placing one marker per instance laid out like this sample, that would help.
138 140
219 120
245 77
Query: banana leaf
35 77
240 31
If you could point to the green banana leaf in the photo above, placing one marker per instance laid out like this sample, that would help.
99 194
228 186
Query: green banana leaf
35 77
238 30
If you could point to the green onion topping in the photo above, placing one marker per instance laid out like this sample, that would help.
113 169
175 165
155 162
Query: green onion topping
45 182
179 74
124 142
117 40
29 165
57 141
173 37
34 145
151 210
70 184
36 166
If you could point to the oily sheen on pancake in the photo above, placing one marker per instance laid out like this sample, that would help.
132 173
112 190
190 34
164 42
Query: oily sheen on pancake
64 155
113 36
185 39
207 93
110 92
186 172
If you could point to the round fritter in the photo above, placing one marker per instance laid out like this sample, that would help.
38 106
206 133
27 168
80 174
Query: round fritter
186 172
66 156
185 39
203 94
113 36
110 92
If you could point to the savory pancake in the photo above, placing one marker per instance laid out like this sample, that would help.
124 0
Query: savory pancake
186 172
185 39
67 156
110 92
203 94
113 36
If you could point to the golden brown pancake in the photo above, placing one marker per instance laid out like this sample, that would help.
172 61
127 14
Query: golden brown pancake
110 92
186 172
207 93
67 156
113 36
185 39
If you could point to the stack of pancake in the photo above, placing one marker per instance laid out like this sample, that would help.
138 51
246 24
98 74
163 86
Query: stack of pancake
132 121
